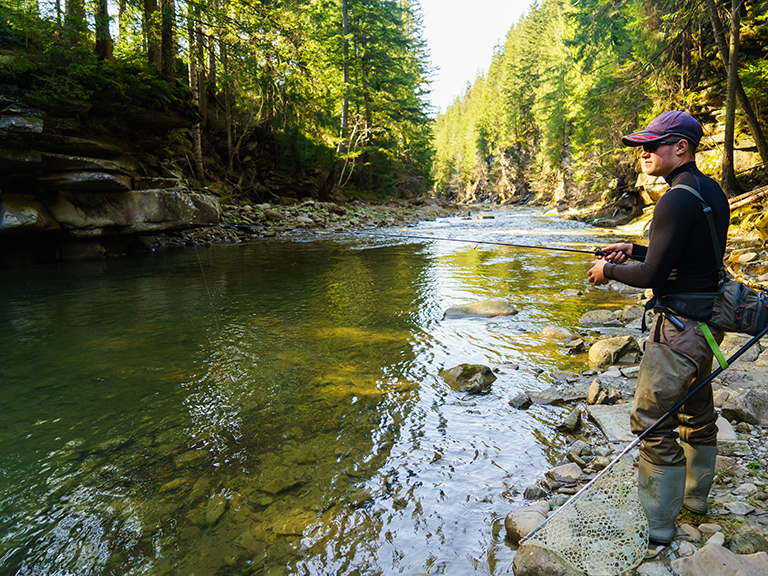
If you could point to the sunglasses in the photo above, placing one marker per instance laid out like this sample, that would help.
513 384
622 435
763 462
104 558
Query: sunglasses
653 146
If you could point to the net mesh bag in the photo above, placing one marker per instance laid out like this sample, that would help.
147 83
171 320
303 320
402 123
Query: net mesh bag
603 531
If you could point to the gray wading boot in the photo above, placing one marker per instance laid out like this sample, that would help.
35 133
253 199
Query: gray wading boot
661 490
700 465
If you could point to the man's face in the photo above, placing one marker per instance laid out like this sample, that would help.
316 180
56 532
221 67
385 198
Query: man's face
662 159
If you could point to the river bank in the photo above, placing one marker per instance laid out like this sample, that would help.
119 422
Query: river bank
249 222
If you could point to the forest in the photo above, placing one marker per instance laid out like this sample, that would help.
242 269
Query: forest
573 77
332 96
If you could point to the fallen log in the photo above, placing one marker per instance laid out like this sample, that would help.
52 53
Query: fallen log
748 198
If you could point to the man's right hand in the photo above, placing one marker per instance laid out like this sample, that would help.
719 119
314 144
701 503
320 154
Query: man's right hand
618 253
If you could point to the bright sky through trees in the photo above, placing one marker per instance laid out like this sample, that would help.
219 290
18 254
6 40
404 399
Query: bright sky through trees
462 35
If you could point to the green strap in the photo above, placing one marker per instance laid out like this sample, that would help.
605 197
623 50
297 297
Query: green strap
713 344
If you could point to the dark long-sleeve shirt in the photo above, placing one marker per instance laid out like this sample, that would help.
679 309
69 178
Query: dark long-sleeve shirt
680 256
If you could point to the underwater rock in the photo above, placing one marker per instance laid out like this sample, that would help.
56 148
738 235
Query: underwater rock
282 479
484 308
558 332
174 484
217 505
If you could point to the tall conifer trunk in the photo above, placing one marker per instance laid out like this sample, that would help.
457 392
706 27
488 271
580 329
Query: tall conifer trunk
103 38
195 83
168 44
152 33
345 65
746 107
728 177
74 22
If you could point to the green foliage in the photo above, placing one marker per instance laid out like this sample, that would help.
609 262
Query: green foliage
571 79
273 71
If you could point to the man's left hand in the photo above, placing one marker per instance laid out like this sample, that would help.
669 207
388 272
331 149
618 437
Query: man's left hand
595 274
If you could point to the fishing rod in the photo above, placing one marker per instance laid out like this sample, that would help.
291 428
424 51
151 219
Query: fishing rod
596 252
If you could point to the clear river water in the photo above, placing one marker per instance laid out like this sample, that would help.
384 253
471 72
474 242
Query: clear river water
275 407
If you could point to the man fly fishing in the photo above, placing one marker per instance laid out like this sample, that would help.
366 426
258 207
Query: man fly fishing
680 259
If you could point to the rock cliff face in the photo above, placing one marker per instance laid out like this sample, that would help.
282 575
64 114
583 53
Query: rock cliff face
87 180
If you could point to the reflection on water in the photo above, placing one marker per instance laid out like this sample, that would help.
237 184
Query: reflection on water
292 420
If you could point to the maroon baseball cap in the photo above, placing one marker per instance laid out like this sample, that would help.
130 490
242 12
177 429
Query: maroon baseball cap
672 123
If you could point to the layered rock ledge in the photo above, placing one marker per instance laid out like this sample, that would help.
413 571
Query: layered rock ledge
80 182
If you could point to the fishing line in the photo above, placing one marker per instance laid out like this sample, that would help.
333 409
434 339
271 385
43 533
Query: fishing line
595 252
210 299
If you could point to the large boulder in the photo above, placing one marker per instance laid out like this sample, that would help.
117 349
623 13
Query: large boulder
522 521
531 560
19 213
715 560
612 350
750 407
600 318
134 211
558 333
566 473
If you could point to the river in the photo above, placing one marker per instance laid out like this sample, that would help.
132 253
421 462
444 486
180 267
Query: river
275 407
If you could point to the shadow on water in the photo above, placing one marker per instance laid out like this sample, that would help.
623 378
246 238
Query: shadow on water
289 420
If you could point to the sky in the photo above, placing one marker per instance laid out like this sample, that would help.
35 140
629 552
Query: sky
461 35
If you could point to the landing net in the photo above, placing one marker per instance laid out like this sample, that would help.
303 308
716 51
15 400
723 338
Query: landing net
603 530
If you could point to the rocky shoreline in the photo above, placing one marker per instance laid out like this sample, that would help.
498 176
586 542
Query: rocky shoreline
736 525
250 222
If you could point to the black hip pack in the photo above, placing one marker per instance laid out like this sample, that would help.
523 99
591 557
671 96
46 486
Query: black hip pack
735 307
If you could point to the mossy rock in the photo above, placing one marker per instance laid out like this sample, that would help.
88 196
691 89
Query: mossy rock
471 378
